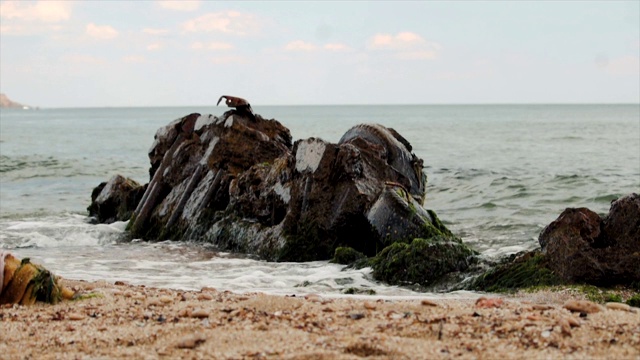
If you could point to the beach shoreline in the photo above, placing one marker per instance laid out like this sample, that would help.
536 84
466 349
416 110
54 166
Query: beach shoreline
128 321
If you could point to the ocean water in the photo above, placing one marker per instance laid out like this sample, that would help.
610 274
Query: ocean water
497 174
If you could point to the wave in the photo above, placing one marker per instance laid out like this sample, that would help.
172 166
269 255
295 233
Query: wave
57 231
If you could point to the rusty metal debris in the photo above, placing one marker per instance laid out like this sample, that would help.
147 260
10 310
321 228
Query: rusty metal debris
241 105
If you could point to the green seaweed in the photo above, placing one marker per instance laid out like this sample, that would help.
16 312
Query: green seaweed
79 297
356 291
423 261
634 300
306 244
346 255
528 270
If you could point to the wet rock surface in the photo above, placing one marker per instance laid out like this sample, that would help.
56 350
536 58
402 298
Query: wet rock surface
239 183
579 247
582 247
115 199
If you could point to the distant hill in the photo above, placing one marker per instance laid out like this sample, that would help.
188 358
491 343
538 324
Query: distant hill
5 102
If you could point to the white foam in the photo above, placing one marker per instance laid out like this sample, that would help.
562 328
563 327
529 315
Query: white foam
63 231
72 248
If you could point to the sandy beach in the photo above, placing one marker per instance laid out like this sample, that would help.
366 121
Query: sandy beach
125 321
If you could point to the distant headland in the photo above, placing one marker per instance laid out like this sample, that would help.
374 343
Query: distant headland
7 103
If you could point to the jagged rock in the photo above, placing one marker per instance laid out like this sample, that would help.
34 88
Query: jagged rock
115 200
582 247
239 183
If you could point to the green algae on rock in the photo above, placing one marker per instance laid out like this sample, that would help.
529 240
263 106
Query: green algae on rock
423 261
346 256
518 271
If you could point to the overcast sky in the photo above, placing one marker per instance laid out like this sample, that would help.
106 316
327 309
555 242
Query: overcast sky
166 53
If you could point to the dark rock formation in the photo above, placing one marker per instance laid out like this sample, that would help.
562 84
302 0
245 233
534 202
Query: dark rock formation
582 247
240 184
115 200
579 247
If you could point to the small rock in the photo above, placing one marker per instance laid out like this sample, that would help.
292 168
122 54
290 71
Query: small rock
356 316
619 306
369 306
165 299
533 317
75 316
205 296
426 302
565 327
484 302
542 307
573 321
191 341
582 306
545 334
313 298
200 314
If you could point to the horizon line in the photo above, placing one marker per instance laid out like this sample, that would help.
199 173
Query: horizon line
310 105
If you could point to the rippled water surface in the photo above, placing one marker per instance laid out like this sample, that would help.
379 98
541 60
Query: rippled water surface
497 175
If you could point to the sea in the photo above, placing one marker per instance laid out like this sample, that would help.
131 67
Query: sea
497 175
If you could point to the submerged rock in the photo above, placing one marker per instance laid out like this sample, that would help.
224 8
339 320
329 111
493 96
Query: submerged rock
239 183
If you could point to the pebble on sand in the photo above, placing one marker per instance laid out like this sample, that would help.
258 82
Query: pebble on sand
582 306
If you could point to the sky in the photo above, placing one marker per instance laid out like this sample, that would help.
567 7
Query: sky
183 53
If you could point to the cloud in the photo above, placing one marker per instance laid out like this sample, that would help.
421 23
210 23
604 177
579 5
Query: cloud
134 59
299 45
150 31
626 65
180 5
417 55
155 46
211 46
231 59
406 46
44 11
228 22
337 47
84 59
104 32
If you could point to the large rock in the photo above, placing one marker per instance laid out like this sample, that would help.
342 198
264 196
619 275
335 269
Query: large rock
115 199
582 247
239 183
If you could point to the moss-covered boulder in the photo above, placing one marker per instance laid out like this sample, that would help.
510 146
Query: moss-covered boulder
346 256
423 261
517 271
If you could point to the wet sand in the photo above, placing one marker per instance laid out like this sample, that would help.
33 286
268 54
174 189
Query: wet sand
136 322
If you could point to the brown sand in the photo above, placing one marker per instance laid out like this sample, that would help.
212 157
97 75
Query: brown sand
136 322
